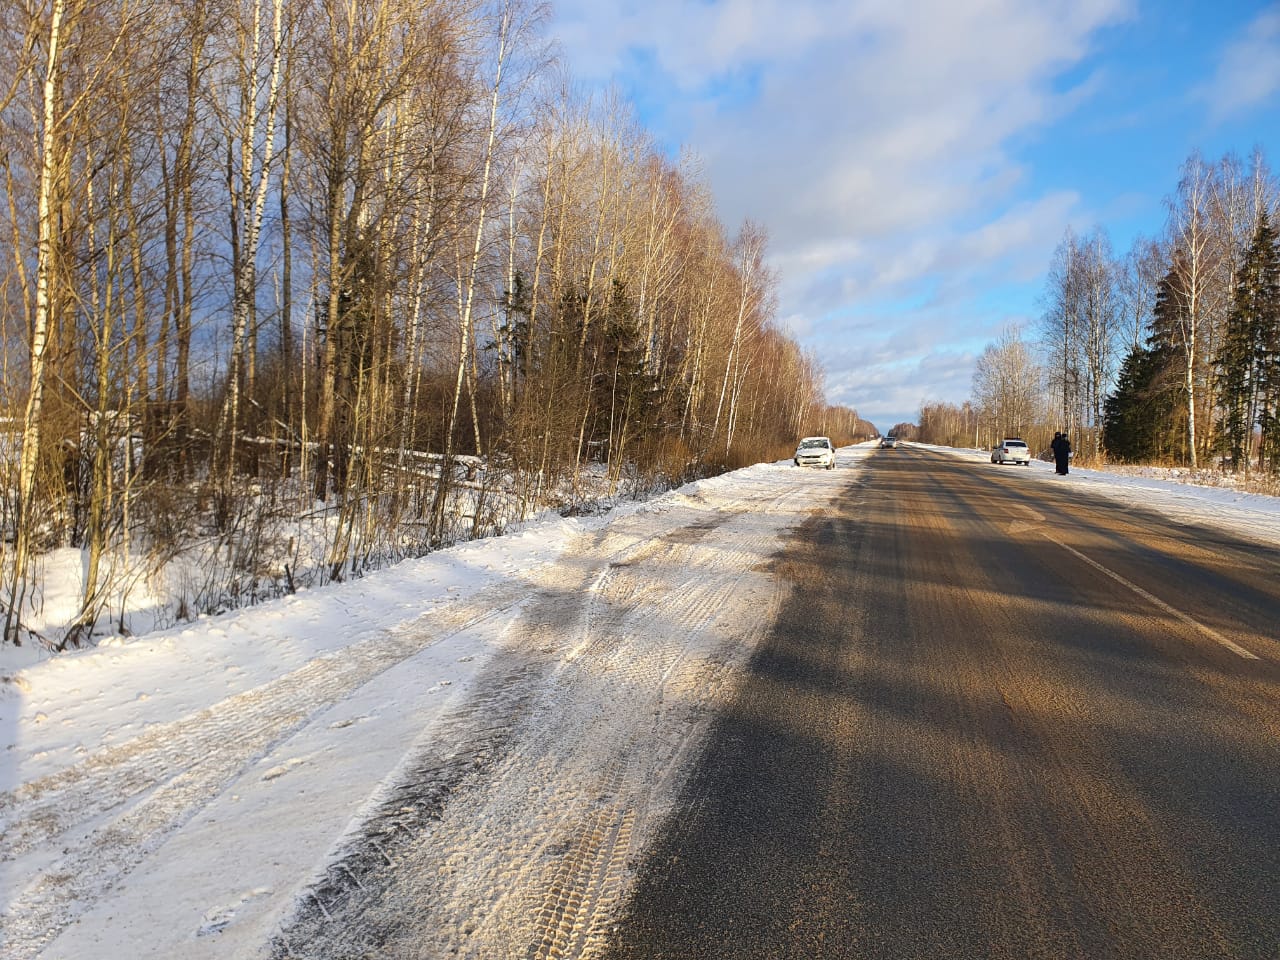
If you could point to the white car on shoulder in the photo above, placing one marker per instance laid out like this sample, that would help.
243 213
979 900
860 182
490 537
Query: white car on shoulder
815 452
1011 450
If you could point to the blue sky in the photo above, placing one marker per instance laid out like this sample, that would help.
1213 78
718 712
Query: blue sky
915 162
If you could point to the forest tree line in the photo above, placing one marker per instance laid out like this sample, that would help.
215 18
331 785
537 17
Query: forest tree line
1169 354
358 259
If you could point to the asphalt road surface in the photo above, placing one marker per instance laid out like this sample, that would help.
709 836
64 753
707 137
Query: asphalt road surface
997 718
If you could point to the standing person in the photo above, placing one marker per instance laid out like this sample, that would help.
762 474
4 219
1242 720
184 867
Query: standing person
1061 453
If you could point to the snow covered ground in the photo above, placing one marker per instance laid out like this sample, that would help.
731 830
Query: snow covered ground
485 737
1175 492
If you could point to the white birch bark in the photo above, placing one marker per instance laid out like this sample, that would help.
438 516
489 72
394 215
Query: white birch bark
52 163
467 305
749 266
253 199
1192 237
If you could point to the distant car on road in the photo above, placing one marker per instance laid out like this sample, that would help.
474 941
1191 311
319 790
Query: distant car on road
889 441
816 452
1011 450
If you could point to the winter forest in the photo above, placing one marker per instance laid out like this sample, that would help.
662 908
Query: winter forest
298 288
1169 354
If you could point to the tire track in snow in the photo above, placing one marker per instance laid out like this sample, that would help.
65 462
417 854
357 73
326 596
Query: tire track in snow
39 811
160 780
580 891
530 853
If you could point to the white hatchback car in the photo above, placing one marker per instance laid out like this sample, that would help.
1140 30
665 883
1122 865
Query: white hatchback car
1012 450
816 452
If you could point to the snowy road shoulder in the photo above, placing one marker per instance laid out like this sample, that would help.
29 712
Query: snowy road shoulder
175 790
1167 491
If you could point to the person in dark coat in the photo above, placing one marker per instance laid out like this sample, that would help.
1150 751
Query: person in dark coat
1061 447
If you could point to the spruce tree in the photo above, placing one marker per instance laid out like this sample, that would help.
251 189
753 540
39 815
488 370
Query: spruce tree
1126 431
1268 320
1140 421
1247 379
1149 409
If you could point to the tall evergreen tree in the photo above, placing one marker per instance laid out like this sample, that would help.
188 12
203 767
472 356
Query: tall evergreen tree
1140 417
1162 393
1247 380
1268 313
1128 428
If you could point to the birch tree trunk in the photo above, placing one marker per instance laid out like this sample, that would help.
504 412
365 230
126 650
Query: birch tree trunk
472 268
1193 238
101 302
248 213
750 264
53 171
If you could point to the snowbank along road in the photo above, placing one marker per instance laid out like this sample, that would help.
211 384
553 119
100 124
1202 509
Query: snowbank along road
474 781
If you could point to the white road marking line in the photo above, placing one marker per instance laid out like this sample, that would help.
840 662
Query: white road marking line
1190 621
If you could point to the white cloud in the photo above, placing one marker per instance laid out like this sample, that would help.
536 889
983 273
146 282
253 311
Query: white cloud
1248 72
875 139
881 134
1021 238
694 41
797 324
891 388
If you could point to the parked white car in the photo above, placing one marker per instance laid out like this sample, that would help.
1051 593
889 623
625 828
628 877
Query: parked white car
1011 450
816 452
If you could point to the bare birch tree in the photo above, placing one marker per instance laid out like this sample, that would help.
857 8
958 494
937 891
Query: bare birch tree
752 281
1137 279
1007 386
53 164
1191 233
251 127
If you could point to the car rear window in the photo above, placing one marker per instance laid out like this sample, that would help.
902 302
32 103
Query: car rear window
1014 443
